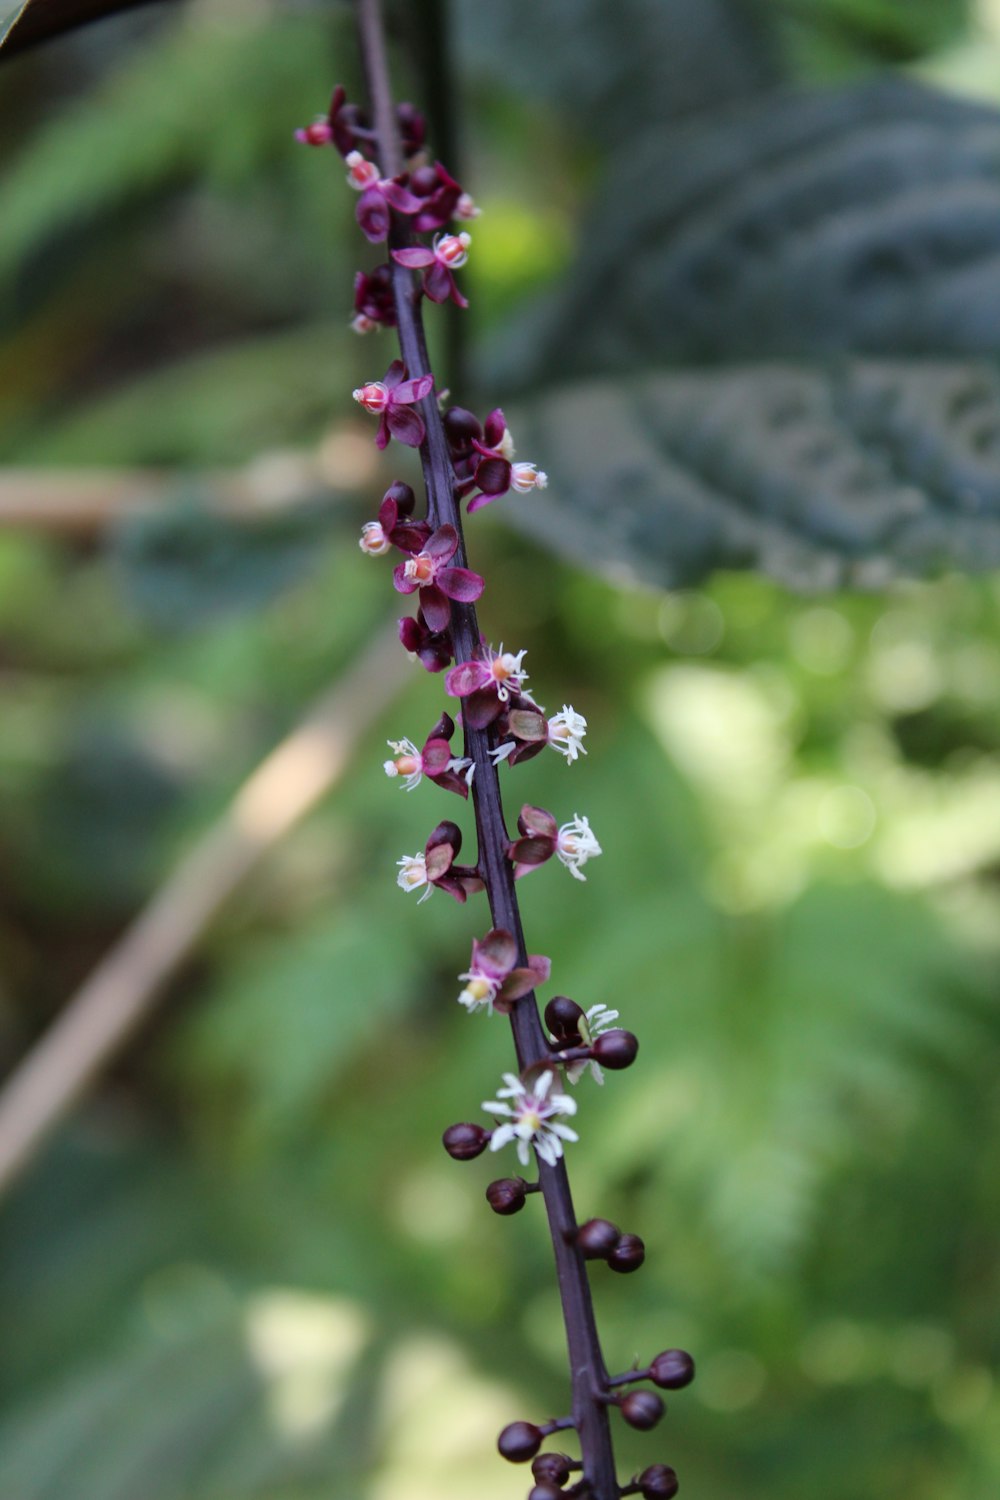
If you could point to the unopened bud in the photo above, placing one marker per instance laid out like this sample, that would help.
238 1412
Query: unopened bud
506 1195
642 1409
563 1017
465 1141
552 1468
597 1238
672 1370
615 1049
658 1482
519 1441
628 1254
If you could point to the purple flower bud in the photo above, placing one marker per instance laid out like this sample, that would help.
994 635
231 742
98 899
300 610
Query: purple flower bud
506 1195
545 1491
465 1141
642 1409
672 1370
519 1441
628 1254
553 1468
615 1049
597 1238
563 1017
658 1482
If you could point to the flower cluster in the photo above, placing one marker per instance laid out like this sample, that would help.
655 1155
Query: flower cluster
473 461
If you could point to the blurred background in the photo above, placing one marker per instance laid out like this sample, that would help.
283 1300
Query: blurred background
737 284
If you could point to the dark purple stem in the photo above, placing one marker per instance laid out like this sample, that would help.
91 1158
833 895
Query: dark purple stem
587 1369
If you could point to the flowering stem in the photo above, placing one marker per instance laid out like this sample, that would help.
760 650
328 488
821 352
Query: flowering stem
588 1372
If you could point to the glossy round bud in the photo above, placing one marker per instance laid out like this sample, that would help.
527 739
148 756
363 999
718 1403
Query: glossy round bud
615 1049
545 1491
506 1195
597 1238
672 1370
465 1142
628 1254
642 1409
563 1017
658 1482
552 1468
519 1441
461 426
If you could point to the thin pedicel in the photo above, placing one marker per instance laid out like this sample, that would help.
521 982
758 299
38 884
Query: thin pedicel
403 196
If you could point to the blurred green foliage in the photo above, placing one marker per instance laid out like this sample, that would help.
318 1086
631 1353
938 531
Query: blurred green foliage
247 1271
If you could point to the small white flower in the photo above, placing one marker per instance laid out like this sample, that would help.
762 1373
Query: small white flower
479 993
575 844
452 250
408 763
502 751
413 874
527 477
466 208
530 1118
361 174
362 323
504 666
566 731
373 539
463 766
597 1020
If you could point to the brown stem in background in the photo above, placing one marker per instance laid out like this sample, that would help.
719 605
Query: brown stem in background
587 1369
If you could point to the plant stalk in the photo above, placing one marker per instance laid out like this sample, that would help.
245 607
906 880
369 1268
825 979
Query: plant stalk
587 1369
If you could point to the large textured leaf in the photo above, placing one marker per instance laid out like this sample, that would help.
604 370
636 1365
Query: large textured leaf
39 20
847 475
689 55
864 220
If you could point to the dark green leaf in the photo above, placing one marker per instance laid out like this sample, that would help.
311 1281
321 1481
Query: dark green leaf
865 220
847 475
184 566
39 20
689 55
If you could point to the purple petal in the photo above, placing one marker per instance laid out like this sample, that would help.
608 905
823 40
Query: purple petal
531 851
373 215
443 543
416 258
519 982
405 424
382 436
540 966
413 390
395 373
401 583
478 501
466 678
527 724
452 782
438 282
400 197
461 584
445 834
435 757
438 862
536 820
480 709
493 476
409 538
494 427
443 729
496 955
437 610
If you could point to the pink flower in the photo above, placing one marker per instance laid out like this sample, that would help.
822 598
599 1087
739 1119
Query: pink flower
437 867
493 980
486 684
434 648
572 844
428 571
373 299
395 526
390 399
448 252
435 761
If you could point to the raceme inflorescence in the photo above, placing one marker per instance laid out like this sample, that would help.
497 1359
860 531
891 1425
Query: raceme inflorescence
416 208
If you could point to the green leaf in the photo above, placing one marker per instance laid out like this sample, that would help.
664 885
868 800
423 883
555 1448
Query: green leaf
10 19
821 476
33 21
865 220
184 566
689 55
